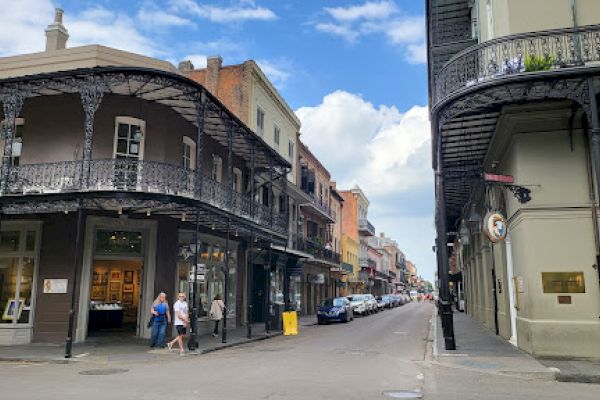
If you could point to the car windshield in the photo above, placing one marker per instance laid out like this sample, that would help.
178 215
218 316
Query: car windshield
338 302
356 298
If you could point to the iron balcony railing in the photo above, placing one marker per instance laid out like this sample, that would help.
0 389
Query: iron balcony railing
314 247
365 226
319 203
127 175
347 267
518 54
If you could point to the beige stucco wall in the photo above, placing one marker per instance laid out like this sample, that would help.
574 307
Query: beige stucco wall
275 114
519 16
552 233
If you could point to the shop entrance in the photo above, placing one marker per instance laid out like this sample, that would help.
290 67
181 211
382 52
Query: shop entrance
259 281
115 297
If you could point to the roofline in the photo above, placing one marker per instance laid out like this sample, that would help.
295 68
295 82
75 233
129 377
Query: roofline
182 79
305 147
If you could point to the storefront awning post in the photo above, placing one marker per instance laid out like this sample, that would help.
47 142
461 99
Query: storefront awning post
226 284
77 261
193 341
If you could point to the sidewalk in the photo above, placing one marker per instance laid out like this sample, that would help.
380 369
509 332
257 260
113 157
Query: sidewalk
130 349
574 370
481 350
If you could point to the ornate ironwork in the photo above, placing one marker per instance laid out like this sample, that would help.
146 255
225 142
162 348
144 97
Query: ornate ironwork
506 56
91 90
12 98
128 175
522 194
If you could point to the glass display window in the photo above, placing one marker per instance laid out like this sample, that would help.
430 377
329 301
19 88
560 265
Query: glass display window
18 260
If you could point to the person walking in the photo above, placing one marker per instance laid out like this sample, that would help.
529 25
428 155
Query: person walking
160 318
181 320
217 308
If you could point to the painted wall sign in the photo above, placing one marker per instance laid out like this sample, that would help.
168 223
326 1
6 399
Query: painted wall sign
495 226
563 282
56 286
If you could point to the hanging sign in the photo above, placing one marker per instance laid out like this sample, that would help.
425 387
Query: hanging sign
495 226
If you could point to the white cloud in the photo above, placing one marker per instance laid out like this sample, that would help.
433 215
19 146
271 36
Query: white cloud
368 10
277 71
23 24
158 18
245 11
199 60
383 150
383 18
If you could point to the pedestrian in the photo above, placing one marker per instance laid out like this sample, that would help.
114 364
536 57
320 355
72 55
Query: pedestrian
217 308
181 319
160 318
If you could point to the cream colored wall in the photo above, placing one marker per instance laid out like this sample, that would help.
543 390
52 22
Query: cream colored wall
519 16
552 233
274 115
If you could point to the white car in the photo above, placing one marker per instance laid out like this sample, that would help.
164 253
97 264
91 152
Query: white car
371 304
358 303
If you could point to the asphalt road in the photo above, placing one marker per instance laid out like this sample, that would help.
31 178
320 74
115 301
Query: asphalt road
359 360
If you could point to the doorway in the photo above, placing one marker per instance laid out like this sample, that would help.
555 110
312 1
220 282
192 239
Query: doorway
115 297
259 279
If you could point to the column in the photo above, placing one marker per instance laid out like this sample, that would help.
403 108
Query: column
200 109
12 103
91 93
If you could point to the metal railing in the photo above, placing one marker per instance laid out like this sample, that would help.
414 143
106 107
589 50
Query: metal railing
365 225
314 247
127 175
516 54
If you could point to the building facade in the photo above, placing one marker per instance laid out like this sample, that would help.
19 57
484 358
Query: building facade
121 179
514 100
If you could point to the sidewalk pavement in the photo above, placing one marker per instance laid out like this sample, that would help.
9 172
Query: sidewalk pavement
123 349
574 370
481 350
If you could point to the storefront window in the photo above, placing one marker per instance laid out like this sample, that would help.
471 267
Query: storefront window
296 292
210 278
118 242
16 275
276 292
9 241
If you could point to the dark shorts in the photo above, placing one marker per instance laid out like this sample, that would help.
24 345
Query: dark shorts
180 330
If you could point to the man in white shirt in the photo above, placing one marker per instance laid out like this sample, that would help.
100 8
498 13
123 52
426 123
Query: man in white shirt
181 320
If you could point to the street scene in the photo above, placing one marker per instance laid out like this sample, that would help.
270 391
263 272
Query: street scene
264 199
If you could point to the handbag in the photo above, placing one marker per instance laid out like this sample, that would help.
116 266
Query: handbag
150 321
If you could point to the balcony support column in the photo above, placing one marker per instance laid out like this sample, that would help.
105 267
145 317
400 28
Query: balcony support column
230 165
193 342
250 273
91 94
444 303
271 197
12 103
226 283
200 108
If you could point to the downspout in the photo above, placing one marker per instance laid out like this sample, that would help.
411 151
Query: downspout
577 37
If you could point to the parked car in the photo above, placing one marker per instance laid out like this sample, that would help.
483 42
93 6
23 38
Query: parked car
396 300
359 304
371 303
390 300
381 303
335 309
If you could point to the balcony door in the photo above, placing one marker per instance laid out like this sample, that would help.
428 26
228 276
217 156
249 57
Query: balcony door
128 149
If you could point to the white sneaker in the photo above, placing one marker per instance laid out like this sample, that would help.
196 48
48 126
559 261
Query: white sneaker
170 346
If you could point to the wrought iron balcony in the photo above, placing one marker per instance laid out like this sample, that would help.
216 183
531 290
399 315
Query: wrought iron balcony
126 175
518 54
320 206
366 228
347 267
314 247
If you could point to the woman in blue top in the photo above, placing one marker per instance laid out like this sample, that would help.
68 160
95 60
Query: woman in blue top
160 318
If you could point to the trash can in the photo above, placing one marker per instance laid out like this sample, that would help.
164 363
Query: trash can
290 323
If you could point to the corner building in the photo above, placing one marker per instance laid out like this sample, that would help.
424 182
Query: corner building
514 91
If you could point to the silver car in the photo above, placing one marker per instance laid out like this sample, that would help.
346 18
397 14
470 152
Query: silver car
371 304
358 303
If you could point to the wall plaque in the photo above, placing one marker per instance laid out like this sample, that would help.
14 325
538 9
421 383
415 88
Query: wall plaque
563 282
55 286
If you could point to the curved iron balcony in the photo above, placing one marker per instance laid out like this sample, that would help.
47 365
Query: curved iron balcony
518 54
127 175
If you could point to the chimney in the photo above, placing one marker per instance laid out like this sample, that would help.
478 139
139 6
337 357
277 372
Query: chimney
185 66
56 33
382 235
213 66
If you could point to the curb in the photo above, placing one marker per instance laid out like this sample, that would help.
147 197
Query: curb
229 345
576 377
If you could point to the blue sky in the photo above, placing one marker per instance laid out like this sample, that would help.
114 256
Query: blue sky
353 70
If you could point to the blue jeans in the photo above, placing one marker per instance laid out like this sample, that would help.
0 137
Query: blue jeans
159 325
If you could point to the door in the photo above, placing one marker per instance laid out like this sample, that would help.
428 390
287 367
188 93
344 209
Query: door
258 293
128 149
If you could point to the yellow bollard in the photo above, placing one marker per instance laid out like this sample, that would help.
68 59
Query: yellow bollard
290 323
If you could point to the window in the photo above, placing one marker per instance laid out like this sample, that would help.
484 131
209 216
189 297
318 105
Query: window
237 180
276 134
18 256
291 149
189 154
217 168
129 138
260 122
17 143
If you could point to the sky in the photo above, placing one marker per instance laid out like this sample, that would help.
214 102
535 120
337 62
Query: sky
354 72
